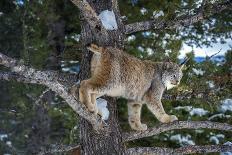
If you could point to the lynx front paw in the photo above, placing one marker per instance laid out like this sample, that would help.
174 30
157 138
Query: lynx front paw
173 118
138 126
168 118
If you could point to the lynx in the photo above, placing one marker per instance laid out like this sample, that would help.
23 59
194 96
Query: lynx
117 74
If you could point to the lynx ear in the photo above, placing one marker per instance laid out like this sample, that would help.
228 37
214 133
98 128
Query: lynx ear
184 62
166 65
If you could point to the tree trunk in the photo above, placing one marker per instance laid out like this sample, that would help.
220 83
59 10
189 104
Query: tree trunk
92 142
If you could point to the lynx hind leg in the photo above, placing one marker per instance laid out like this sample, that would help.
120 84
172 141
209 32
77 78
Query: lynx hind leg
93 100
85 95
134 112
157 109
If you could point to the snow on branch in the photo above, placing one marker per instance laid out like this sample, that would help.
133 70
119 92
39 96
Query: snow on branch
179 151
49 79
176 125
89 14
201 14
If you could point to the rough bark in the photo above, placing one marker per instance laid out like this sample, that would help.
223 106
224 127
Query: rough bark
110 142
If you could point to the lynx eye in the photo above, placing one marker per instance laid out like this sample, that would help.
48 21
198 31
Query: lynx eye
174 75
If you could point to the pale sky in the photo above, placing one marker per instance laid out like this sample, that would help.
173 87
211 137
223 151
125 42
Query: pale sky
204 51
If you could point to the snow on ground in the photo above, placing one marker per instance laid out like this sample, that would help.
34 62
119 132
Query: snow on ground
182 140
211 84
193 111
157 14
185 108
141 48
102 108
149 51
108 20
226 105
3 136
198 111
216 138
131 38
143 11
198 71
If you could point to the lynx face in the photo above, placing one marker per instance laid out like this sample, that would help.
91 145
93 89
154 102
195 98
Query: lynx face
172 75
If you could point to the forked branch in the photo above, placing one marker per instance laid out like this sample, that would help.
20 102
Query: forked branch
47 78
179 151
176 125
89 14
185 20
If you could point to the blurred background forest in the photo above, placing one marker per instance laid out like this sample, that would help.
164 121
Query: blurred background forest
45 34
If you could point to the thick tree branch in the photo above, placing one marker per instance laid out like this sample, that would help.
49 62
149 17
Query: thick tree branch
176 125
179 151
50 80
201 14
89 14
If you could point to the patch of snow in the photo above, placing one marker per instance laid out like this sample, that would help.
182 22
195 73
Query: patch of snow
199 3
1 13
108 20
198 71
102 108
211 84
124 18
73 62
19 2
66 69
76 37
9 143
141 48
149 51
199 131
131 38
157 14
143 11
216 138
146 33
3 136
198 111
219 116
185 108
226 105
182 140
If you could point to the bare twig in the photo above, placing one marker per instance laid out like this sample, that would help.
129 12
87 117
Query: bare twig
179 151
214 54
181 21
49 79
176 125
40 98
